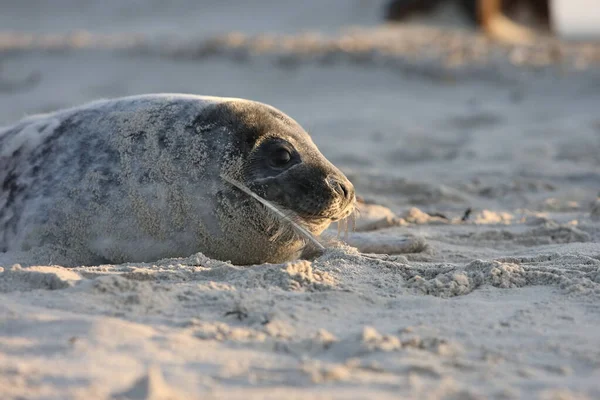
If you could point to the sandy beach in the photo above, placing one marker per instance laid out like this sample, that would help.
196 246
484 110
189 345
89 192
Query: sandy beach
474 272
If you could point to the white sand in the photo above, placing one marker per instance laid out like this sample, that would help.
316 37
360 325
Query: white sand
505 305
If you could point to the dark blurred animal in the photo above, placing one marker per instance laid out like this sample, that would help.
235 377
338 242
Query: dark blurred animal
497 18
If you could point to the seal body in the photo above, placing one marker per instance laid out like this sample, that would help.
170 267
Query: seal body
140 178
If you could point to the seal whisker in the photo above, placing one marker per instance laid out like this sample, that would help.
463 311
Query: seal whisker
278 212
348 223
341 225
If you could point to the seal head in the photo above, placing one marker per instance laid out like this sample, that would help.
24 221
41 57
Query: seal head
276 159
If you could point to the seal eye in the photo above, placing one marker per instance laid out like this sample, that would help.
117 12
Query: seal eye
280 158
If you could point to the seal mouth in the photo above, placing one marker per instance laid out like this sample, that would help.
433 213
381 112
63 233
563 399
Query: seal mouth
341 204
316 219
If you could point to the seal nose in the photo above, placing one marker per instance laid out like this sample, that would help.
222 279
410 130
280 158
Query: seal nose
342 187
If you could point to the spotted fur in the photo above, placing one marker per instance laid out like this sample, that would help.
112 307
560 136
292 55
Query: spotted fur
138 178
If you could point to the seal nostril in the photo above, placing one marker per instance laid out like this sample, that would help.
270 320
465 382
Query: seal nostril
342 188
349 191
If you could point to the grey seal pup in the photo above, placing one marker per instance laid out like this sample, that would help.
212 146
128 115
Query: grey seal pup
137 179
